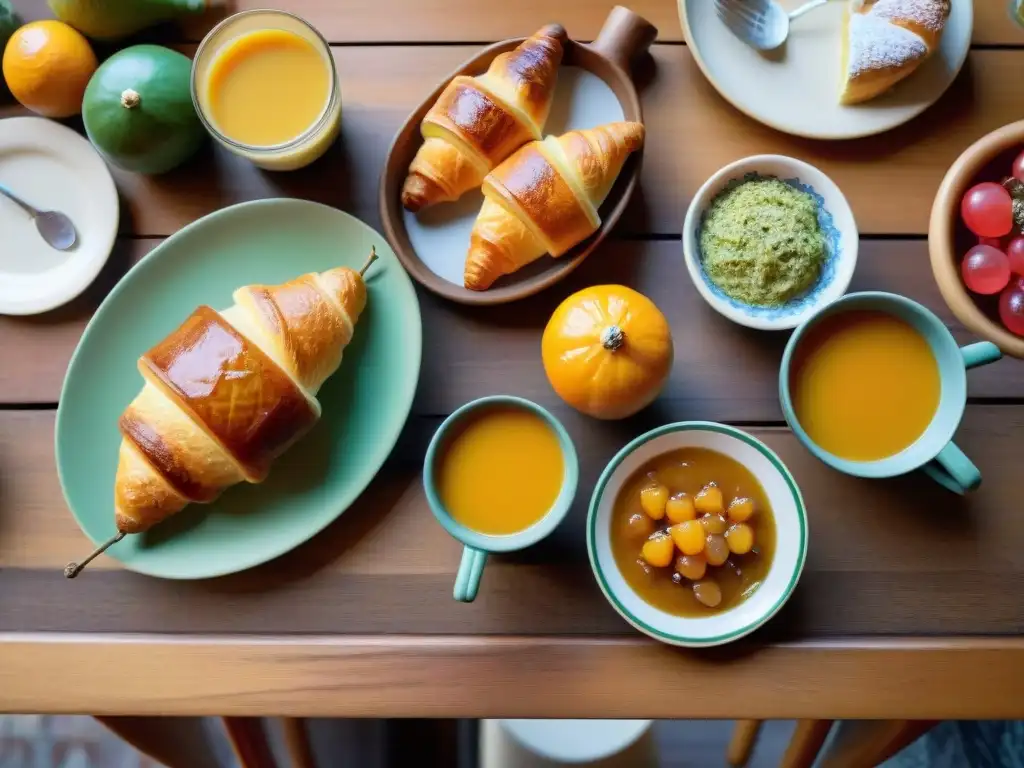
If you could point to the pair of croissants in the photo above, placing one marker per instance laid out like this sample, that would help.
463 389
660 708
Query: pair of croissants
541 195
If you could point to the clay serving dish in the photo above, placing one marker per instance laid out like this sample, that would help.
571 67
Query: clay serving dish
988 159
624 37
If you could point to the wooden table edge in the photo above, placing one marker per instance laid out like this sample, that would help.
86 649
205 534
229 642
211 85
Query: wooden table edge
509 676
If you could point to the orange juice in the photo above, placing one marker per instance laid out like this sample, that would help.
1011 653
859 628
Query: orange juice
501 471
865 385
267 87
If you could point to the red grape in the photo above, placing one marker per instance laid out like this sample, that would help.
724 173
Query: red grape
995 242
987 210
1011 308
985 269
1018 167
1015 253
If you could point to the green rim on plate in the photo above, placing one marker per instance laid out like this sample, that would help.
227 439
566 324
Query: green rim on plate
701 426
365 404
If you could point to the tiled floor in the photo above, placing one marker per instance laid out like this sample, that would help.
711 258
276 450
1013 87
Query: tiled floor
35 741
30 741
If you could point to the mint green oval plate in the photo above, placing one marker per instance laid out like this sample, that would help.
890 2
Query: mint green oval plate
365 404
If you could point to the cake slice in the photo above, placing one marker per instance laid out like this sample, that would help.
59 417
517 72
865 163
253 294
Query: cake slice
883 42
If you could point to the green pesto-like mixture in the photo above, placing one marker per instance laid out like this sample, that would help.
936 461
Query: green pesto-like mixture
760 242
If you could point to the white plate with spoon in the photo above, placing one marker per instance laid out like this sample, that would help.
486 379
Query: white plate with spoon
795 87
51 168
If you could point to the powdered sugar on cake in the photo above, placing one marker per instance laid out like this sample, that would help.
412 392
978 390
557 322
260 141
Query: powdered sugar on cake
927 14
877 44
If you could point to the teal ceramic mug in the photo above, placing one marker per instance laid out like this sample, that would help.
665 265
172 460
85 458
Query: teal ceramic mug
478 545
934 451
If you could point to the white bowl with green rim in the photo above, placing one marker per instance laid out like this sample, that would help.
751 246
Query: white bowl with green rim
791 535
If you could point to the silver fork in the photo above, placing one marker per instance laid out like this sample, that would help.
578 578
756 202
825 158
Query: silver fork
761 24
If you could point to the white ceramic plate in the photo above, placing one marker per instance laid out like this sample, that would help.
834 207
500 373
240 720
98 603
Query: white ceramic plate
440 234
834 217
790 522
796 88
52 168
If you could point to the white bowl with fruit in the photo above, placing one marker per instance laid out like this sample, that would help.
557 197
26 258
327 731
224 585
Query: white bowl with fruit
697 533
976 238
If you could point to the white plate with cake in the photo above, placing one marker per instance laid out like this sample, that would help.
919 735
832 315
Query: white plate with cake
849 69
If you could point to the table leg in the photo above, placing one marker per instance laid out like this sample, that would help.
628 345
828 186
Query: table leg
870 742
296 739
176 742
741 745
249 741
806 743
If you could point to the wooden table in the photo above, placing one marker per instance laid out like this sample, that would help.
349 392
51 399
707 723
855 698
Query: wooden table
910 605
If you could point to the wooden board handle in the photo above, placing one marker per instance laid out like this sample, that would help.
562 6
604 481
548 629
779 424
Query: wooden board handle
624 37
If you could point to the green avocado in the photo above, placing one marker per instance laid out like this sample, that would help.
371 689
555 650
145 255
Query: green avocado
138 110
115 19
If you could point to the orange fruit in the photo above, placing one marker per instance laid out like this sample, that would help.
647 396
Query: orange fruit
47 65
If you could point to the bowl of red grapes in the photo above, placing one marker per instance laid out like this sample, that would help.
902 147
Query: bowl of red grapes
976 238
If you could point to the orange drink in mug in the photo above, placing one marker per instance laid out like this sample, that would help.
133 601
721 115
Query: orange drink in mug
265 86
500 475
874 385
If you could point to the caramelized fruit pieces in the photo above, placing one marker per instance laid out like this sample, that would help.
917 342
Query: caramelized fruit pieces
653 499
680 508
658 550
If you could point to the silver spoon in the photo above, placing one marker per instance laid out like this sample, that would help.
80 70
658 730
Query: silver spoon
54 227
761 24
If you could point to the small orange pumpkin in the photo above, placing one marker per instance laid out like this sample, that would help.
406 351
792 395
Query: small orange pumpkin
607 351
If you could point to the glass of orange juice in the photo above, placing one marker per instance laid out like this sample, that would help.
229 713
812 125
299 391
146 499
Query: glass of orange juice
265 86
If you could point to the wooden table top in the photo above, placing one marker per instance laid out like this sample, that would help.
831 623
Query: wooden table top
908 606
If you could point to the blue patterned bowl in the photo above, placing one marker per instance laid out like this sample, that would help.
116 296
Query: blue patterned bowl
834 217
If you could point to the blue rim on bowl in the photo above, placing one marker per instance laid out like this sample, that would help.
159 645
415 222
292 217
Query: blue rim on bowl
834 217
784 572
528 536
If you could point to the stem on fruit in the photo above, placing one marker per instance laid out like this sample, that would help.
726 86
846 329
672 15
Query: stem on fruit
73 569
370 259
130 98
612 338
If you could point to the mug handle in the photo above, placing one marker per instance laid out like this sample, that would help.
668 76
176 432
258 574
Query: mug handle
980 353
467 580
953 470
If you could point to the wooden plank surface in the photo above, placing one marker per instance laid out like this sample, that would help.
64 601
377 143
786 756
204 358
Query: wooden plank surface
495 347
886 558
890 180
363 21
510 677
359 621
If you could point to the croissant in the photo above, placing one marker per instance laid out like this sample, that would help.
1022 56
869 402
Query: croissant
477 122
545 199
228 392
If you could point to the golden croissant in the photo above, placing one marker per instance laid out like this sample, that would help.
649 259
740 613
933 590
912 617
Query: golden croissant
228 392
477 122
545 199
